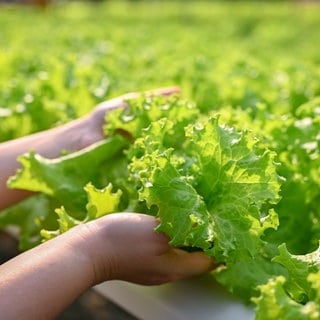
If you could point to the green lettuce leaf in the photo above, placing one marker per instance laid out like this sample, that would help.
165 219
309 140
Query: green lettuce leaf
215 193
64 178
29 217
213 187
100 203
275 303
299 267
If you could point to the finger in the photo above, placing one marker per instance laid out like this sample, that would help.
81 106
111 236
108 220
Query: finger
121 102
181 264
167 91
198 262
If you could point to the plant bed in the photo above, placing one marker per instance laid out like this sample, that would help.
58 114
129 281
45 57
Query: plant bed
196 298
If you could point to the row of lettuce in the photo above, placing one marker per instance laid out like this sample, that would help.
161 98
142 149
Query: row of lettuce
230 167
241 187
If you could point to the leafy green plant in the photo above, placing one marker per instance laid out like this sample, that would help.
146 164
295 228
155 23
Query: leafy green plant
234 173
213 187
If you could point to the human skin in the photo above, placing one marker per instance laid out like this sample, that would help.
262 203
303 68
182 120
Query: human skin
70 137
40 283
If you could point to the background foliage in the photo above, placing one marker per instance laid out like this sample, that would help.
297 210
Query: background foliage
56 64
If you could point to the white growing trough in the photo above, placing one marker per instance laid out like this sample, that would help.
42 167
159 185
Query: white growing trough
200 298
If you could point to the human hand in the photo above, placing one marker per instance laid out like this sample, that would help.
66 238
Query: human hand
49 277
124 246
96 119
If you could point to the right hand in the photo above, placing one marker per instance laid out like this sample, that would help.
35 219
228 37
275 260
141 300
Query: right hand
125 246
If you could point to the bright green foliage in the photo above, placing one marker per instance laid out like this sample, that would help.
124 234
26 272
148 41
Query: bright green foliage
212 187
234 173
209 193
299 268
65 177
275 303
314 279
100 202
183 213
30 216
64 181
